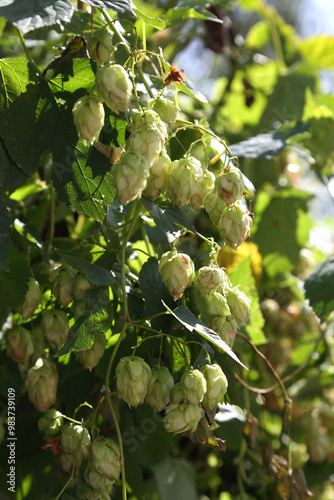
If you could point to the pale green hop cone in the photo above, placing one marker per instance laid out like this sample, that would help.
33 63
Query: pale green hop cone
166 109
132 375
182 417
19 344
239 305
100 484
105 457
55 325
216 383
114 87
50 424
156 180
80 285
193 385
32 299
41 384
148 135
204 188
229 185
62 281
211 279
159 387
235 225
216 304
75 441
130 175
88 117
214 206
91 357
100 47
226 327
183 179
177 272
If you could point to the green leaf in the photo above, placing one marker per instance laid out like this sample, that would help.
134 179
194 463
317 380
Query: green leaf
115 213
154 292
157 23
97 317
121 6
169 219
281 228
258 35
176 479
14 284
86 259
27 15
184 13
191 322
10 174
318 51
289 90
266 145
5 240
318 106
319 289
242 275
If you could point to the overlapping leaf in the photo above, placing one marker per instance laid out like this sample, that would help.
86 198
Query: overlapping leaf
29 15
319 288
121 6
37 116
170 219
14 284
189 320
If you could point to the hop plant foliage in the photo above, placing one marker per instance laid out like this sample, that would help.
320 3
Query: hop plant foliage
120 196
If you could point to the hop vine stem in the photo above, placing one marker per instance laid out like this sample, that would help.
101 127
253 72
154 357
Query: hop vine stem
119 341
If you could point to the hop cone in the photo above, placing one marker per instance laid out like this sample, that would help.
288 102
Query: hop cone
75 441
193 385
183 178
214 206
239 305
147 136
100 47
129 174
105 457
235 225
80 285
78 308
159 386
114 87
182 417
19 345
176 394
216 304
204 188
62 280
209 279
229 185
56 327
157 178
133 375
91 357
31 300
216 383
166 109
177 272
50 424
100 483
226 327
41 384
88 117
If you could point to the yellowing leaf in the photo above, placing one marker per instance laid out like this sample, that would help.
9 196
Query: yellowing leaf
318 51
229 259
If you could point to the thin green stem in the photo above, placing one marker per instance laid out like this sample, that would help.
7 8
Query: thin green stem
115 30
120 444
143 79
81 406
67 483
27 54
72 420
